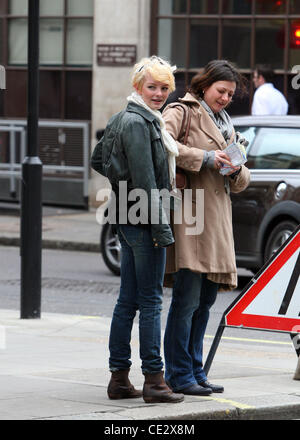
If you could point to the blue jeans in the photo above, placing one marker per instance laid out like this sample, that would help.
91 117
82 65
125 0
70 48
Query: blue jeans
142 273
193 296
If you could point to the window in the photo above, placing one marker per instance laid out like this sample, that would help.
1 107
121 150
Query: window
236 41
54 7
15 96
50 94
80 8
66 50
51 41
78 92
294 43
236 6
17 41
18 8
270 7
172 40
295 7
272 33
204 6
246 32
203 42
172 7
276 148
80 42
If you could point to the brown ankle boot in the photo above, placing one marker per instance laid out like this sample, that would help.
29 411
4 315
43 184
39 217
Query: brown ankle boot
156 390
120 386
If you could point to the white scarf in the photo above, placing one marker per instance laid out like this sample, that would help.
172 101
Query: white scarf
168 141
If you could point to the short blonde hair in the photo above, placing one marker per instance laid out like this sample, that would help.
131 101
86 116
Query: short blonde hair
159 69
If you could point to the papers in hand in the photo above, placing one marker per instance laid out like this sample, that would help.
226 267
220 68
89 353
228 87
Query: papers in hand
237 155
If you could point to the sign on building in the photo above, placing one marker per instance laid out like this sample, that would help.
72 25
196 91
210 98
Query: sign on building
116 54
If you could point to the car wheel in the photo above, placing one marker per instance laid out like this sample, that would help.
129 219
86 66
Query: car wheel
278 236
110 248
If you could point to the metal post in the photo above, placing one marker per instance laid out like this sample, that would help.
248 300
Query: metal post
295 337
31 195
297 372
214 346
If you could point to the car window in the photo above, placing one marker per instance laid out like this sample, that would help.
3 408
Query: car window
248 133
275 148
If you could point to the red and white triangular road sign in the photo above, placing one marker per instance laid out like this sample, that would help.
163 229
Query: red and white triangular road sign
272 300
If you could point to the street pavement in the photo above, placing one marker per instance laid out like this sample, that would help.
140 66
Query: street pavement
55 367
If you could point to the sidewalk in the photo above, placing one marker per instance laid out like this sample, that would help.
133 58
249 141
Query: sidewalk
56 367
61 228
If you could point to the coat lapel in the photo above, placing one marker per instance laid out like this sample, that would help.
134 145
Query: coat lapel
206 124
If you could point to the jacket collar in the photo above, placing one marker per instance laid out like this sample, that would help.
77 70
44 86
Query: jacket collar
189 99
206 123
135 108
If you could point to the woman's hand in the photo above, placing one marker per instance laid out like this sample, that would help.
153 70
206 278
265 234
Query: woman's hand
222 158
235 169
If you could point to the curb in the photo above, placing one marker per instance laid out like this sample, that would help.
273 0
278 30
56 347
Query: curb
55 244
288 411
276 412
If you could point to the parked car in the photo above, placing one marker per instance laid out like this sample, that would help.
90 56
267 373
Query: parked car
268 211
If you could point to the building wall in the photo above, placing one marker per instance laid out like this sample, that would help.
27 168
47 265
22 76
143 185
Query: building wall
115 22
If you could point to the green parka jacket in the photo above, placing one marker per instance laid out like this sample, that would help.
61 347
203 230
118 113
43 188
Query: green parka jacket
139 158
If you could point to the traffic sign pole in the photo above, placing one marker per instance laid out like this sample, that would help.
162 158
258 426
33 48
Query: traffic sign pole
214 346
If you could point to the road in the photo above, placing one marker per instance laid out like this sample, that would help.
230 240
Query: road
80 283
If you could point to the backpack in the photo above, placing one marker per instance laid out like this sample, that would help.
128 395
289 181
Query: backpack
106 155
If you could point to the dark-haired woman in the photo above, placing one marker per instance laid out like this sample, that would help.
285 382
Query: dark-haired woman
201 265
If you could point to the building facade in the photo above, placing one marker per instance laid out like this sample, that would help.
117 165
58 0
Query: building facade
87 49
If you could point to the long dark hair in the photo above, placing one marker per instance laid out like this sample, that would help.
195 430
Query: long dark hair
217 70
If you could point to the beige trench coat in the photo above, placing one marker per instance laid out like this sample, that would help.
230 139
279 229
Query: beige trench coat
211 251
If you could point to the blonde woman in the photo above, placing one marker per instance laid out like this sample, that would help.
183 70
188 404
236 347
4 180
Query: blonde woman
146 161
